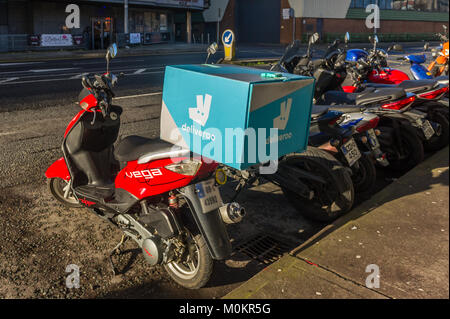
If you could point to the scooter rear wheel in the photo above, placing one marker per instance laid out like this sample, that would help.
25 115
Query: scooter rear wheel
196 268
365 176
435 143
413 150
57 187
328 202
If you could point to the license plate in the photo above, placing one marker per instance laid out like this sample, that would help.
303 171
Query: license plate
427 129
351 152
373 140
209 195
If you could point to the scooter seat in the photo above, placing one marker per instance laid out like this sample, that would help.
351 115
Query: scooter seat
411 86
318 110
369 96
443 79
415 86
134 147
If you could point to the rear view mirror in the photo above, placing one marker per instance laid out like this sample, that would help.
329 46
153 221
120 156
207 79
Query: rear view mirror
397 47
111 53
211 50
347 37
426 46
314 38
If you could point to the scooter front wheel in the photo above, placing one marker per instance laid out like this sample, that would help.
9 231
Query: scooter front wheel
58 187
195 267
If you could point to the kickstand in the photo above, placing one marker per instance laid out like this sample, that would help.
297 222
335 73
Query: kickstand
113 252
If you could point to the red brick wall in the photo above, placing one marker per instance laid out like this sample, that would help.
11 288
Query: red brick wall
228 20
387 26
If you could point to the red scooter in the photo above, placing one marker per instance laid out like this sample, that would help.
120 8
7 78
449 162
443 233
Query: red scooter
158 194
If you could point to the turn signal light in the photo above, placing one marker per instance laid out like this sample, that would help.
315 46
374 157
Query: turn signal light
434 94
398 105
186 167
370 124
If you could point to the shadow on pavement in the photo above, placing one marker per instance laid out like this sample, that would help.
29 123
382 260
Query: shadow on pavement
419 179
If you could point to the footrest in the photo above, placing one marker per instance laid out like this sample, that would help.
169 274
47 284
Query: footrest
95 192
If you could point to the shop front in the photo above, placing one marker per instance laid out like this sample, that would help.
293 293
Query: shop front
148 26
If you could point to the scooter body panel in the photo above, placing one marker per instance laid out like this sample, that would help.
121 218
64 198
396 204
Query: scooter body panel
388 76
58 170
150 179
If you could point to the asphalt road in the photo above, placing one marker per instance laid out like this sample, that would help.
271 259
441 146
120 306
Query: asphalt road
40 238
48 83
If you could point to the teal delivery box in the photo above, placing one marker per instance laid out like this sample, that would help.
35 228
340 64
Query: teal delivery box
235 115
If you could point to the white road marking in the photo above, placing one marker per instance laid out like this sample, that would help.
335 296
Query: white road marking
8 80
18 63
62 79
50 70
102 61
138 95
139 71
79 76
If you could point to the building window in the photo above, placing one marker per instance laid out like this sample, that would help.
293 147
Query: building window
416 5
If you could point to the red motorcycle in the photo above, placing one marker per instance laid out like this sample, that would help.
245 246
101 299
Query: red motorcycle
160 195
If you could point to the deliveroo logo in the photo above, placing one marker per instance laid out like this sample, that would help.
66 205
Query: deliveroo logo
200 113
281 121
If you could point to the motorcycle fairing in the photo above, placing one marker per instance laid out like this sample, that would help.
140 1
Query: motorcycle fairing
419 72
354 55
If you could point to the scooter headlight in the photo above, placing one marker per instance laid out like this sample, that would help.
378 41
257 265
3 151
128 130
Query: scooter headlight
185 167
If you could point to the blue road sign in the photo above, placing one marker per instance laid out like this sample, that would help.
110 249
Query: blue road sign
227 38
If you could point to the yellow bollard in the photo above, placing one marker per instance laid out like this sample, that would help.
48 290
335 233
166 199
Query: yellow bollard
228 43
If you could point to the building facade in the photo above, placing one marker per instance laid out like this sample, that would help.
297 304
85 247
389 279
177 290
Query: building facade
101 22
280 21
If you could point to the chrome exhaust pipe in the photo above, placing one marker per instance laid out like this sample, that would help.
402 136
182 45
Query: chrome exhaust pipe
232 213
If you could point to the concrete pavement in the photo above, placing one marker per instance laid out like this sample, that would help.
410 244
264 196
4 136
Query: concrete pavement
403 230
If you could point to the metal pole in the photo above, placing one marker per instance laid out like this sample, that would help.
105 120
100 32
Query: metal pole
189 26
218 27
375 27
125 16
293 31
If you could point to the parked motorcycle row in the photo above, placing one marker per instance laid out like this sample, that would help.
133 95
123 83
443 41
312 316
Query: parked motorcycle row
168 200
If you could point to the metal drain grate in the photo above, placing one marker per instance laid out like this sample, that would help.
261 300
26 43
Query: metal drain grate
265 248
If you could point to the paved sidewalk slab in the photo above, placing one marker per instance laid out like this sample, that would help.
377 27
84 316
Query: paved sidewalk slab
405 233
403 229
292 278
